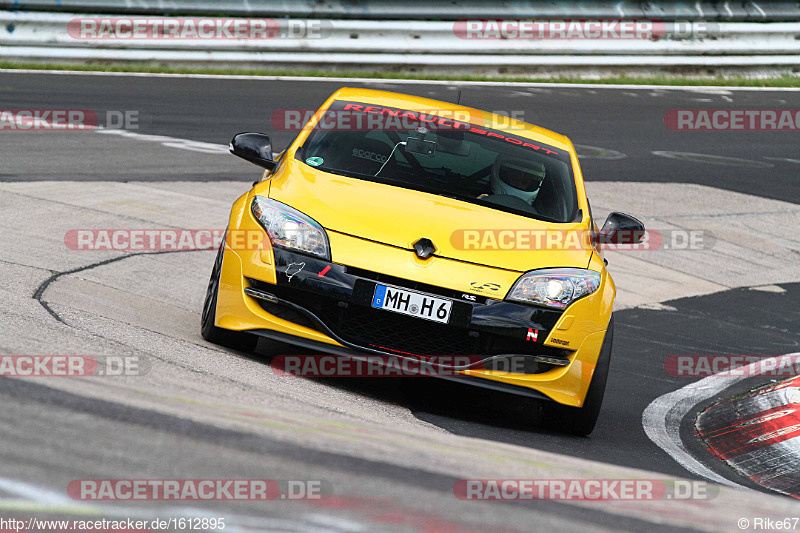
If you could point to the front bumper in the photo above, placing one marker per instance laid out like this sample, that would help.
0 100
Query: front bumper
325 306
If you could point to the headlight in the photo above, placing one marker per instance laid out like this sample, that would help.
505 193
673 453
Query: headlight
554 287
289 228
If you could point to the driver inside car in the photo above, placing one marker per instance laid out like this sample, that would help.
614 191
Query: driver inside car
516 177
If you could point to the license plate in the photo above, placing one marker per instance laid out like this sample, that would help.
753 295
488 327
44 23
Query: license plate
412 303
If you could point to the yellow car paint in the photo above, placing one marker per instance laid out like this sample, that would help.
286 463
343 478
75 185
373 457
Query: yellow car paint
393 218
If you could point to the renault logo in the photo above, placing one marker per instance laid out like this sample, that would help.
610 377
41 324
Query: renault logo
424 248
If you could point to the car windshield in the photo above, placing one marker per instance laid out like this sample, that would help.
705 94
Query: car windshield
444 156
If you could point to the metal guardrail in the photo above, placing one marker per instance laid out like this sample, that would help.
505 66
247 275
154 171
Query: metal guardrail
422 37
417 45
764 11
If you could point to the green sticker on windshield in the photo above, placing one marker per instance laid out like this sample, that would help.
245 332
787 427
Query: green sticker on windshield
314 161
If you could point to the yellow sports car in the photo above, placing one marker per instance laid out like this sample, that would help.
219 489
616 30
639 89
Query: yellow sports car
409 227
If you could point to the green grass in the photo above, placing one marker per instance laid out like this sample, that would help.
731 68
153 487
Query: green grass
737 81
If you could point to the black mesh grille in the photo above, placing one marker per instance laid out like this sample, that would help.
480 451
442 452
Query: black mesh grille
408 284
383 329
364 326
372 328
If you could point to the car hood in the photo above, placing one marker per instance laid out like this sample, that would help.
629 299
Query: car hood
399 217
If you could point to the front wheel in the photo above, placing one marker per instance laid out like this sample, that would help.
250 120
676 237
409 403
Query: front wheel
581 420
237 340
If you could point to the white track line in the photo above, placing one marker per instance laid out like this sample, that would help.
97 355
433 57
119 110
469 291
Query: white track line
662 418
34 493
52 502
170 142
390 81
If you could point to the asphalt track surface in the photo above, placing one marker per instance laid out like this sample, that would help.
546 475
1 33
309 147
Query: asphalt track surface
630 121
53 433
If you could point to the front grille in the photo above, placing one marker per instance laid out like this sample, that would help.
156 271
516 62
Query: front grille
366 327
378 329
408 284
372 328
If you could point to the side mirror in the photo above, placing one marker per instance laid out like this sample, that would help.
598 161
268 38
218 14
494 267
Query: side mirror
253 147
621 229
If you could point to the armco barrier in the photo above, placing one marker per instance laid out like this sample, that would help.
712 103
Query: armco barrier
698 46
745 11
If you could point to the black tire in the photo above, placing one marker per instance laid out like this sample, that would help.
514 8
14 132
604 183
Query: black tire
237 340
581 420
